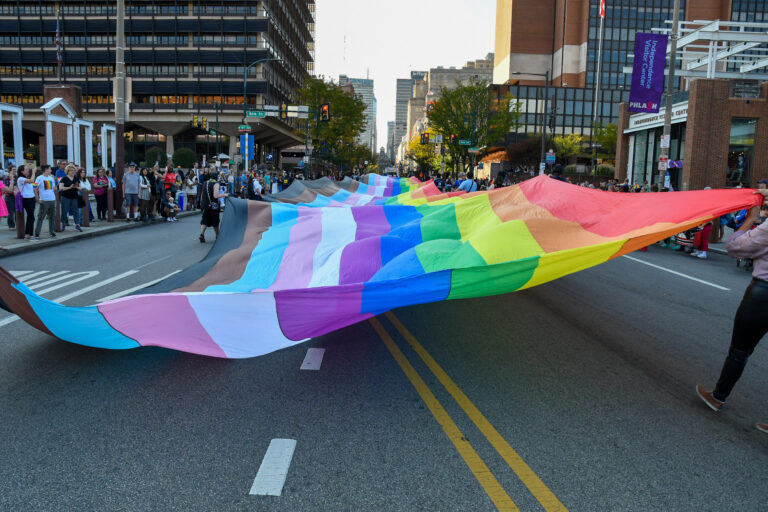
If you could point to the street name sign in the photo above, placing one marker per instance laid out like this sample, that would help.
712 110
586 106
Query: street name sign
255 113
465 142
244 128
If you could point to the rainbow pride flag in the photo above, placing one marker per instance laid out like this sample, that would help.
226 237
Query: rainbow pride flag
324 255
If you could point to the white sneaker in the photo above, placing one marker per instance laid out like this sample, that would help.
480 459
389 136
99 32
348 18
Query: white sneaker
168 219
702 255
695 252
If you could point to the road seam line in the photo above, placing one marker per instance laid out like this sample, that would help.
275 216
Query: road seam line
530 479
482 473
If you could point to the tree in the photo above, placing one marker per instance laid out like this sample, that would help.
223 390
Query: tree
568 146
423 154
472 112
184 157
336 136
526 152
155 154
606 136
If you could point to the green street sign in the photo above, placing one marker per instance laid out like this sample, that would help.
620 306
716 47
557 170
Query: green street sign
244 128
255 113
465 142
474 150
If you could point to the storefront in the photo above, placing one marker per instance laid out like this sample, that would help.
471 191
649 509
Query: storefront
719 138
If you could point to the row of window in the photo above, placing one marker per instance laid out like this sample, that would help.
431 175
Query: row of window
139 10
137 40
137 70
157 100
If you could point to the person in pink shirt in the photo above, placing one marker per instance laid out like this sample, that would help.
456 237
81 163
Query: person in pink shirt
751 321
3 207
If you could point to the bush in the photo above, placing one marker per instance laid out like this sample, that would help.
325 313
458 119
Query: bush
184 157
571 169
606 170
153 153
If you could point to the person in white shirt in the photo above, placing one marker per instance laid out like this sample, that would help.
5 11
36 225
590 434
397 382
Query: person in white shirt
26 188
46 198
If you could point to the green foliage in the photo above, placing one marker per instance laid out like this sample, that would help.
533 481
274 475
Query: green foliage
184 157
571 169
606 170
153 153
472 112
607 136
423 154
569 146
338 136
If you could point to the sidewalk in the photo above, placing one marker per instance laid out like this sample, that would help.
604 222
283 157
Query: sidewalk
97 228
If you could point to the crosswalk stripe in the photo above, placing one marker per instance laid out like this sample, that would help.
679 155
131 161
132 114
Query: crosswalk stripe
19 273
82 277
42 281
76 293
135 288
33 274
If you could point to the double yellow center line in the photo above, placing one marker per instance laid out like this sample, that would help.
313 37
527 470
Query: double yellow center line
487 480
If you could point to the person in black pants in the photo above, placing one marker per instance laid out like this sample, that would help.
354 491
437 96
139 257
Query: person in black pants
26 186
751 321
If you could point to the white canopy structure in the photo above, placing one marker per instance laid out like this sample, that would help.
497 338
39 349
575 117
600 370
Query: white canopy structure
16 115
68 120
108 140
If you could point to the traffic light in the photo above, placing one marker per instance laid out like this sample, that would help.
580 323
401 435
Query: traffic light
283 111
453 138
424 139
325 112
194 121
205 123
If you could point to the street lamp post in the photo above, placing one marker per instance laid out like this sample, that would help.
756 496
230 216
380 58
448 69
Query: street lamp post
217 106
542 160
245 93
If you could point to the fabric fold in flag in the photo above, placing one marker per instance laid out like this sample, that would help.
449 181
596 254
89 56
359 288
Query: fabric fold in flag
324 254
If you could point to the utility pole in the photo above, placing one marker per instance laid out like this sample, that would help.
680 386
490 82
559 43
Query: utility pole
119 105
670 85
543 159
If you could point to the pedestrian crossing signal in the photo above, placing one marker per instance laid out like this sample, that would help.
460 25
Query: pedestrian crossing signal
325 112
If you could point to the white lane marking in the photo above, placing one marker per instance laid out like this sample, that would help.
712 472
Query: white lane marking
313 359
270 479
76 293
38 279
75 278
48 280
679 274
155 261
33 274
19 273
135 288
95 286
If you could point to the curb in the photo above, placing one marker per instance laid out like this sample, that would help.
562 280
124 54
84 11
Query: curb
122 226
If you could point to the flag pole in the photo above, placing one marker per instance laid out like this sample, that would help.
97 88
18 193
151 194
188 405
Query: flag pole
597 91
58 43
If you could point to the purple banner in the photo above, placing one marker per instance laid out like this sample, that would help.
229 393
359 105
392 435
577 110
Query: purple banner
648 72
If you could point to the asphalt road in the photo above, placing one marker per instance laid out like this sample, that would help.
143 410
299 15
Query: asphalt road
588 382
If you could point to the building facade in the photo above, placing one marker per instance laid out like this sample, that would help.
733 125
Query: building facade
403 95
183 59
564 43
364 90
390 148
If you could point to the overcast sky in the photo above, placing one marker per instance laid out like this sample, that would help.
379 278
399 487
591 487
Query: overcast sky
387 39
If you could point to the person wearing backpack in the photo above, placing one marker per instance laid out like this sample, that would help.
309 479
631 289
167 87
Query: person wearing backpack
468 185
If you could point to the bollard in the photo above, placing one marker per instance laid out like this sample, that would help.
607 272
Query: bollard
110 205
57 214
86 217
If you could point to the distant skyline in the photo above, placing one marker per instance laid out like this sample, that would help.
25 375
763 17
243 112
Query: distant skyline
387 40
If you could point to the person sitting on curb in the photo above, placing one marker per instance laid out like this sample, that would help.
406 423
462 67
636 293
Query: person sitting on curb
751 322
170 209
